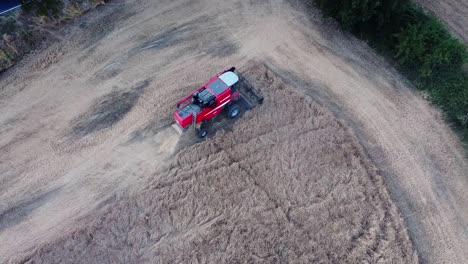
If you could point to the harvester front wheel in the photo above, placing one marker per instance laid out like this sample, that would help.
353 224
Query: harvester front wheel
202 133
233 111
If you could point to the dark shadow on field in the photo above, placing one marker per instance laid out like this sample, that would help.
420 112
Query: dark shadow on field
168 38
108 110
97 30
20 212
182 36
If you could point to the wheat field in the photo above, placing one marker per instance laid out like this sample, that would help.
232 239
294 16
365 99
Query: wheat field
286 184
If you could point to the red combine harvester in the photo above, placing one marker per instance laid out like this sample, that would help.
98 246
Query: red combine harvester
225 92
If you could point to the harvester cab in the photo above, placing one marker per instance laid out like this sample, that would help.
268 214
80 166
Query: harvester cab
224 92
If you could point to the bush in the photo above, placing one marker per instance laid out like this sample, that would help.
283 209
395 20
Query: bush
428 48
452 96
8 25
350 13
422 46
364 15
49 8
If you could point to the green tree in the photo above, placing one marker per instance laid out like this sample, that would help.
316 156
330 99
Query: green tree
48 8
358 15
428 47
350 12
453 98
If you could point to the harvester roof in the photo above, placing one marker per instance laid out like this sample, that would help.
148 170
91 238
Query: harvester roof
229 78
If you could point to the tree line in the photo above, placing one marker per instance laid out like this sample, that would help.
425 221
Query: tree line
47 8
420 45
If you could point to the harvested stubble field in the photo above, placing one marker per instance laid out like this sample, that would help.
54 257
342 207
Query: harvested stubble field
288 183
91 171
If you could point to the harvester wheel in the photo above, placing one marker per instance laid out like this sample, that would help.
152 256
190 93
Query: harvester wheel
202 133
233 111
